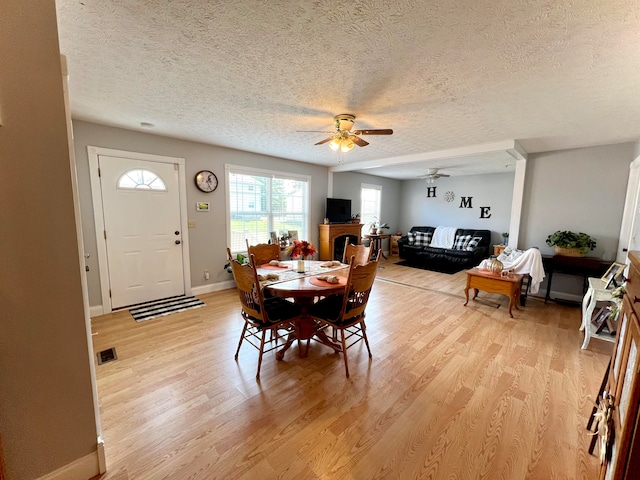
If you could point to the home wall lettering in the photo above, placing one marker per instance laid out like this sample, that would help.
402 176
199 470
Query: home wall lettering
465 202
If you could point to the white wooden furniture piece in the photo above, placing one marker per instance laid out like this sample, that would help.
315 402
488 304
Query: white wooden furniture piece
595 293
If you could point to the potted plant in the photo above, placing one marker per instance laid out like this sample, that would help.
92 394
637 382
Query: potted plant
376 226
505 238
570 243
241 259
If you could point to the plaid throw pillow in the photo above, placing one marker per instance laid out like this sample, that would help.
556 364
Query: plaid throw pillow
461 241
473 243
411 238
422 238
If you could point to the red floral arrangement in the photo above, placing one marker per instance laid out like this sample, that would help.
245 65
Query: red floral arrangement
300 248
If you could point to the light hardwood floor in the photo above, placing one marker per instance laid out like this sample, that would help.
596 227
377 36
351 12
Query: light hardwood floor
452 392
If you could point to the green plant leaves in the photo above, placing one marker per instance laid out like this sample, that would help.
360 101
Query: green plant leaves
567 239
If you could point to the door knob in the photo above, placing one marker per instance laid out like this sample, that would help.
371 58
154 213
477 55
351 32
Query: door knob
177 242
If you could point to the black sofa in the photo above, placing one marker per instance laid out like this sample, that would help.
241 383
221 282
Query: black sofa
448 260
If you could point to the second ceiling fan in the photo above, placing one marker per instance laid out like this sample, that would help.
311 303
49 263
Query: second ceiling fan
432 175
344 138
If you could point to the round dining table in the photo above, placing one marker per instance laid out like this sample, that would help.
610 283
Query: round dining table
304 290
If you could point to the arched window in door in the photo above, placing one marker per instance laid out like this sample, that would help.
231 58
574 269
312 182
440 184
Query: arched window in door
140 179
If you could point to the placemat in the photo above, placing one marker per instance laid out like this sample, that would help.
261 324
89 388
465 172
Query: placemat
322 283
266 266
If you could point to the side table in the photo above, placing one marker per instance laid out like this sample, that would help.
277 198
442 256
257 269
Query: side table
508 285
497 249
595 293
393 245
376 242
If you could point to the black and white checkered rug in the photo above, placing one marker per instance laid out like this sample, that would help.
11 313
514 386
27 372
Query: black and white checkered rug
165 307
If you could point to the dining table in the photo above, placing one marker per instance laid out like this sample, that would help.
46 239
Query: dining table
304 288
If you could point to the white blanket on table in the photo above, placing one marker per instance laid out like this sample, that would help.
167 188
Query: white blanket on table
443 237
522 261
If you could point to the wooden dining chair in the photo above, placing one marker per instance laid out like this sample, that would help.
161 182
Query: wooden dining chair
360 252
346 313
260 315
264 252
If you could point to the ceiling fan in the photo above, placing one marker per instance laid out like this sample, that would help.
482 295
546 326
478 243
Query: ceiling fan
432 175
344 139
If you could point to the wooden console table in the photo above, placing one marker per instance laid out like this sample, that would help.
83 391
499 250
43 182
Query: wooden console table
584 267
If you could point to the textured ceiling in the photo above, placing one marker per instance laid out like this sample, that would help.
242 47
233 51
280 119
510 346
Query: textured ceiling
444 75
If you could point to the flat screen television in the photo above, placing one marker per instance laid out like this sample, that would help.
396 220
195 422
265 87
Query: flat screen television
338 210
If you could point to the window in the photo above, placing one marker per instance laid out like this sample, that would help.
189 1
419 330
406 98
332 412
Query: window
141 180
369 205
260 201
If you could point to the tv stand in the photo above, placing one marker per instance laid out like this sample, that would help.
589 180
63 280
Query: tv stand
337 231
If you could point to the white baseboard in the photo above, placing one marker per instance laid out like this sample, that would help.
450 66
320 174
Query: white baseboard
214 287
81 469
565 296
95 311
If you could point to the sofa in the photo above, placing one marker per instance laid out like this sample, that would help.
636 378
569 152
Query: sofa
468 249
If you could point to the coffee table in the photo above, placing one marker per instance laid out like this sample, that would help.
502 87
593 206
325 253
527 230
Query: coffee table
486 281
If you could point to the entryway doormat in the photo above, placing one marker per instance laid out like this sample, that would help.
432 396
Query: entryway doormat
165 307
450 270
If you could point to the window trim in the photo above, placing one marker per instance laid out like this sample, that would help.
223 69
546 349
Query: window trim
245 170
369 186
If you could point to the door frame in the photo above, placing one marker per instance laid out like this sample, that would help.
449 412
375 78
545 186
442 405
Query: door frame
98 214
631 205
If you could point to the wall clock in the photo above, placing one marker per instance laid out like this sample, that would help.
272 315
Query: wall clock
206 181
449 196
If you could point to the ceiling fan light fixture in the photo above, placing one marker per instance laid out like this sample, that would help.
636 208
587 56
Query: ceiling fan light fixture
335 144
347 145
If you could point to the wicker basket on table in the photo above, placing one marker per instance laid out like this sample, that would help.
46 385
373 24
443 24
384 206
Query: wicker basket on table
569 252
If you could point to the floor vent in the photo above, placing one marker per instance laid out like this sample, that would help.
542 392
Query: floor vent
107 355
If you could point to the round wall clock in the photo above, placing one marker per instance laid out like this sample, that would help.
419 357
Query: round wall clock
206 181
449 196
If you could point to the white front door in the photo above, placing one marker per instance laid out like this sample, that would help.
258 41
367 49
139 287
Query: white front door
143 237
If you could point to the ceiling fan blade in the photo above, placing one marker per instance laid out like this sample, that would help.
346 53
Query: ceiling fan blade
442 175
324 141
384 131
358 141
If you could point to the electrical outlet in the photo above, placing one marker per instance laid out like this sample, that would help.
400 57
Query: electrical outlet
192 224
206 275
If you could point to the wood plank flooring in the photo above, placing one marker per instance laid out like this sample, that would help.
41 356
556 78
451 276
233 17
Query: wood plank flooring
452 392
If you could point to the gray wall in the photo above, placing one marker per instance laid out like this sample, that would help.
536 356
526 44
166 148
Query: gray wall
581 190
208 241
495 191
47 418
348 184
